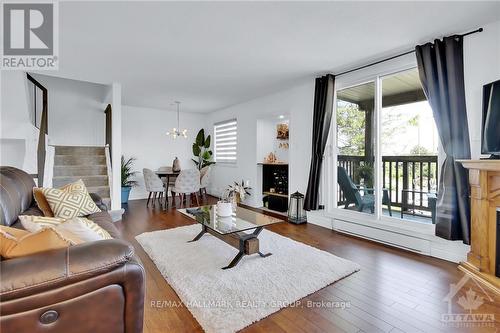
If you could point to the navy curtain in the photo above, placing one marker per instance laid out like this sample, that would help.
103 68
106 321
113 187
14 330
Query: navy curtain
441 71
323 109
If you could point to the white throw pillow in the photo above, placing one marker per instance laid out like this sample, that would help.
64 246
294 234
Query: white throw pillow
84 229
76 228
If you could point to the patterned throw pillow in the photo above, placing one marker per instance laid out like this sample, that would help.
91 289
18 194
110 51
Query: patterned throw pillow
35 223
70 201
77 228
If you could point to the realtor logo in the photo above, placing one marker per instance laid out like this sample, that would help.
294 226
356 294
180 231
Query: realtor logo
470 301
30 32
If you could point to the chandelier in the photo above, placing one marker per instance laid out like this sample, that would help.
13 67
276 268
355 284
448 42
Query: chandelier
175 132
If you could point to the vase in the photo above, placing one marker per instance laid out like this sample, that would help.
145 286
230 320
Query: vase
224 208
176 165
235 200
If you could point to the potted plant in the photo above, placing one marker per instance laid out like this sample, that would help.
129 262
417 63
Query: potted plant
365 172
201 150
127 181
237 192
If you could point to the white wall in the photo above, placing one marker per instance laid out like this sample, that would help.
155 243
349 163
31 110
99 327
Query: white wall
18 136
267 141
76 111
265 137
144 136
481 66
297 103
114 94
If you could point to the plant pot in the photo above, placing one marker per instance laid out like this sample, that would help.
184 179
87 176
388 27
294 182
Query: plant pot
125 194
224 209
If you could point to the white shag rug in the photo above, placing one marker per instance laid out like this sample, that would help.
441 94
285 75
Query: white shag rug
229 300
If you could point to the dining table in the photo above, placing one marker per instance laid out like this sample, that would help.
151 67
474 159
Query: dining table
168 174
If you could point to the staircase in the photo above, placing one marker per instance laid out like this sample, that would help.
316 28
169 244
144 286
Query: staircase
72 163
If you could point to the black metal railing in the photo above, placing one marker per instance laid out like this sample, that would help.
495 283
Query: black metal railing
407 178
39 114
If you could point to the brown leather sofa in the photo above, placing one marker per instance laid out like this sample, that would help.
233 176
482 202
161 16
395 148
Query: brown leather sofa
92 287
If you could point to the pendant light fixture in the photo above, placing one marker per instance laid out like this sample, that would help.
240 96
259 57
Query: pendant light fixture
175 132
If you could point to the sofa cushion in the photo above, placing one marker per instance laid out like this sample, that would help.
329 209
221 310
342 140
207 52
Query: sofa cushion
103 219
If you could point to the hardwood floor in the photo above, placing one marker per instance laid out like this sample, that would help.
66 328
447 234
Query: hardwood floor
395 291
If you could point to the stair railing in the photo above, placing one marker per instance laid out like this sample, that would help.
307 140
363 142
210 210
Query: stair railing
42 127
48 174
108 169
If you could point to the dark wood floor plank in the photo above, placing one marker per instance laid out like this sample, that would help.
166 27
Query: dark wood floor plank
395 291
356 316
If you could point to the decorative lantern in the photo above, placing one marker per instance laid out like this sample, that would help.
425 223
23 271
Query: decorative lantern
296 212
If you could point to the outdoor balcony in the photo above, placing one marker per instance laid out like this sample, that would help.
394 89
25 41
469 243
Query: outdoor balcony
409 184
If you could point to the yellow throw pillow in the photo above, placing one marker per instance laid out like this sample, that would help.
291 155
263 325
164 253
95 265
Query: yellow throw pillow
42 202
16 243
70 201
77 228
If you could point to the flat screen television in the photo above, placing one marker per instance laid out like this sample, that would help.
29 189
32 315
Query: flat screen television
490 134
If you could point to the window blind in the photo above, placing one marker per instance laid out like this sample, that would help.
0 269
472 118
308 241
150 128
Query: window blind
225 141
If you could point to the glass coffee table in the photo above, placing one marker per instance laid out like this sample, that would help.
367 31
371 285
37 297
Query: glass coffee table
240 230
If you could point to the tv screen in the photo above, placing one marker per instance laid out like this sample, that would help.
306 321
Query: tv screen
490 143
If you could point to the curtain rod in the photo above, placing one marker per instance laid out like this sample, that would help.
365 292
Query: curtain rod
399 55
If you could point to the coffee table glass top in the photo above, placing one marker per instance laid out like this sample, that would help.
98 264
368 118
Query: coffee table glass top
241 220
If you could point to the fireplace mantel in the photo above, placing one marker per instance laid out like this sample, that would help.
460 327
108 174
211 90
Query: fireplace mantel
484 179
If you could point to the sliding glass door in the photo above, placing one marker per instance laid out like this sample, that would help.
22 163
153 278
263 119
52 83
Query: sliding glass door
355 118
409 149
387 144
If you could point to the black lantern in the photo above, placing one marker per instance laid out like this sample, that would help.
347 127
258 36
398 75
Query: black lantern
296 212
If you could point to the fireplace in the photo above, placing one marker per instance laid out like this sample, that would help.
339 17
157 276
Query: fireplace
497 272
483 258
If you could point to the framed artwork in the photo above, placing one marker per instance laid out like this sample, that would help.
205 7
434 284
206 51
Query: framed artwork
282 131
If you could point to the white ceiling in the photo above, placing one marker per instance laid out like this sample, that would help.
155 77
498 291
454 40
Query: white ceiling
214 54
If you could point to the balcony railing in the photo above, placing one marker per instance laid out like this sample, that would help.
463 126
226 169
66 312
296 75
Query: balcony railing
407 178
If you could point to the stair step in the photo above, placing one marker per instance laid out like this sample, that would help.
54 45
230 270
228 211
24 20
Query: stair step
79 150
62 160
89 181
102 191
80 170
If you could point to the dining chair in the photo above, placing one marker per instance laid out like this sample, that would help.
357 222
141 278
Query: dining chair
205 173
171 180
188 182
154 185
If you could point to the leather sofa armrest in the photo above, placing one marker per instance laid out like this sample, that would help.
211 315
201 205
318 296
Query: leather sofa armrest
98 201
52 269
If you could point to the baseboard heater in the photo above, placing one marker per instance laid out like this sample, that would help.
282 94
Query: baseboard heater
378 240
383 236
